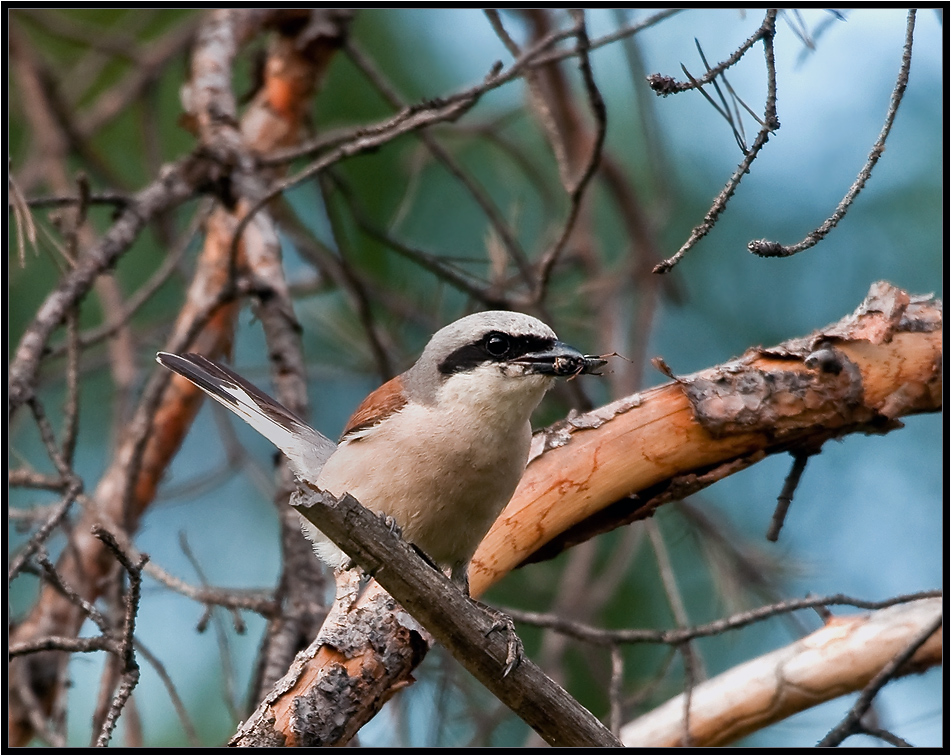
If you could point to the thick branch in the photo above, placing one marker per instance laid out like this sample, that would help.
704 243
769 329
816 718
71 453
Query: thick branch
466 629
840 658
596 471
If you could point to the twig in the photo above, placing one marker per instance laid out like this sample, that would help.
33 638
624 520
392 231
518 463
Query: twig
877 732
54 578
847 726
766 248
464 282
770 124
602 637
615 688
145 292
24 478
785 496
36 540
548 260
118 199
22 219
255 601
481 198
71 411
672 591
221 635
175 185
48 436
352 284
627 31
177 703
664 85
61 643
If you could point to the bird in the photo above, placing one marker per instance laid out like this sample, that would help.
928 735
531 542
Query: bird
439 449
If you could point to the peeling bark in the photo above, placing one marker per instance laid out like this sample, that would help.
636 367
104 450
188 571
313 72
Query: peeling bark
841 657
598 470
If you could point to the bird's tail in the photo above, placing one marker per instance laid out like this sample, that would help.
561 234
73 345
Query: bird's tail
305 448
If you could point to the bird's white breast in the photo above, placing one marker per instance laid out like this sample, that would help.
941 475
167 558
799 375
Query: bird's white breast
444 470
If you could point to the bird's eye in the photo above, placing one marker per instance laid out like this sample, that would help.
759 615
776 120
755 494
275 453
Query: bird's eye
497 345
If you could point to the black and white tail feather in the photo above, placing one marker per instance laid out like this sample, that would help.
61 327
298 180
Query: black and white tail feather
305 448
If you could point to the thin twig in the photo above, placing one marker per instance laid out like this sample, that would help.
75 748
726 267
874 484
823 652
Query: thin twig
766 248
602 637
461 280
615 689
48 436
175 185
256 601
548 260
177 702
221 635
785 496
877 732
71 410
352 284
144 293
117 199
664 85
623 33
766 32
43 532
674 598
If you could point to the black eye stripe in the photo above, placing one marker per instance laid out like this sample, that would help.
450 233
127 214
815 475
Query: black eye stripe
476 353
527 344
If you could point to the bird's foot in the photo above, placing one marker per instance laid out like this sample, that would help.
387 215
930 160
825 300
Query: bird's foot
391 524
501 622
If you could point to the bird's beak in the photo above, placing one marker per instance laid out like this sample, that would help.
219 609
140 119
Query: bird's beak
561 359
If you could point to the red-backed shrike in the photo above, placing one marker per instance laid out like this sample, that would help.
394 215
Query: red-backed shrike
440 448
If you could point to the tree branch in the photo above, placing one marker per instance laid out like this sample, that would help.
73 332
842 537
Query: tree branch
466 629
841 657
615 464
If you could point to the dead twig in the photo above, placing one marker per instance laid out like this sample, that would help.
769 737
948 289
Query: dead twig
770 124
674 637
766 248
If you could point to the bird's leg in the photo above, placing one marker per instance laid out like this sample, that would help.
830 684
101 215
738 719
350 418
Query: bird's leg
459 575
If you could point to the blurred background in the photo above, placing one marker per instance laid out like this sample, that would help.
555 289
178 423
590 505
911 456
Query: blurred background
867 519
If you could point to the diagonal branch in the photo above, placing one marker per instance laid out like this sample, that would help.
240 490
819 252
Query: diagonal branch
842 656
463 626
